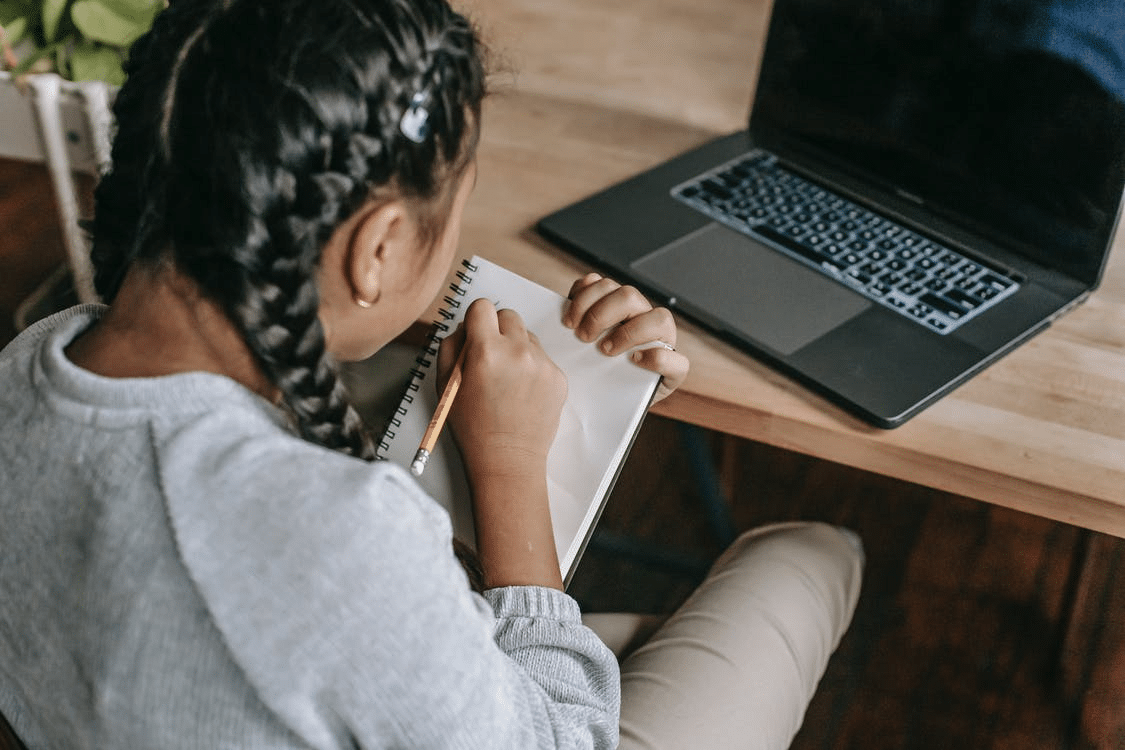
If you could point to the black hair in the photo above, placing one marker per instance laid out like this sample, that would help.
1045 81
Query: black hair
249 130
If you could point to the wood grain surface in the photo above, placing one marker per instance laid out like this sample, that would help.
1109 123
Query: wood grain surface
587 93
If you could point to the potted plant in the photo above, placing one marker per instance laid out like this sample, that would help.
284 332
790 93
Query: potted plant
60 64
80 40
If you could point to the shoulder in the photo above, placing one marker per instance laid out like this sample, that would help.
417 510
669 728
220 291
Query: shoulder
237 482
342 566
66 323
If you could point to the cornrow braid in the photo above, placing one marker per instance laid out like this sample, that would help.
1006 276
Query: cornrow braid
239 153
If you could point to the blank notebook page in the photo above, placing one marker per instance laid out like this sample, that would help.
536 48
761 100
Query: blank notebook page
607 398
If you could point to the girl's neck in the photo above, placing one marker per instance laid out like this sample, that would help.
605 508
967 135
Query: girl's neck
159 324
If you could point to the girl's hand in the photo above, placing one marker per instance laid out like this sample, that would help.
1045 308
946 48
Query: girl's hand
622 319
507 410
504 419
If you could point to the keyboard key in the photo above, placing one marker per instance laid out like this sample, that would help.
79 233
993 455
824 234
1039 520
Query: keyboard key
965 300
951 309
912 290
792 244
996 281
966 283
713 187
987 292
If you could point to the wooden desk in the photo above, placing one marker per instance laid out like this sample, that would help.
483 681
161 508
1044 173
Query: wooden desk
598 91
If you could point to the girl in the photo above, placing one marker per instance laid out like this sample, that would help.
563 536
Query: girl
198 550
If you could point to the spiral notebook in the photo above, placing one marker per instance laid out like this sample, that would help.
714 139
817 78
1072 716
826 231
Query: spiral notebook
607 398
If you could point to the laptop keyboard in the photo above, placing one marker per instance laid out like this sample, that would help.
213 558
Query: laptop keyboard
886 262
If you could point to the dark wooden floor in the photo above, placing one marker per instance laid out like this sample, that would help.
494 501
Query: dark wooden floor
978 628
960 639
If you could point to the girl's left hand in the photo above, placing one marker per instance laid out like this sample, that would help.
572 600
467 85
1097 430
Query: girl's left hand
619 318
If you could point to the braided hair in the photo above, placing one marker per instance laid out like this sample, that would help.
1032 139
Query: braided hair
248 130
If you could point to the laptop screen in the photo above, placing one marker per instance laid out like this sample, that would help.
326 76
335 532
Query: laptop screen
1009 114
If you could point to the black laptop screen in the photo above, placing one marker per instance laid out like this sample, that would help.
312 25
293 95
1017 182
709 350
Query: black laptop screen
1010 113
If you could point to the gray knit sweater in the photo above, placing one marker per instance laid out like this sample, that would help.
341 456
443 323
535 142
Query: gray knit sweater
177 570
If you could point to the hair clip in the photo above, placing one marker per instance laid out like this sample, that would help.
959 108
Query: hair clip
415 122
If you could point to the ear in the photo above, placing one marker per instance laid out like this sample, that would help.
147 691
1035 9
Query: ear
381 236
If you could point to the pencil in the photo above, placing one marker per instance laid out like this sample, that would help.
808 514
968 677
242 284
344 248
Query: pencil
437 422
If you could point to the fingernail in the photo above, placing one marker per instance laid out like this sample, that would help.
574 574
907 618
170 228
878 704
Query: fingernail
607 346
637 356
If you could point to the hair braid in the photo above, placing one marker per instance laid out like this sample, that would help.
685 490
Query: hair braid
238 154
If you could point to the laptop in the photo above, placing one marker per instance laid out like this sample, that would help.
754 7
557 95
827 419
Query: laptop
921 187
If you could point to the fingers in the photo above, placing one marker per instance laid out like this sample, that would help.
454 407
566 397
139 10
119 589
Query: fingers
672 366
481 318
599 305
621 319
482 322
583 282
656 325
511 324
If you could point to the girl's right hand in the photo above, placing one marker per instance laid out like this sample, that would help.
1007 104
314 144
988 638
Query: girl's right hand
504 419
507 410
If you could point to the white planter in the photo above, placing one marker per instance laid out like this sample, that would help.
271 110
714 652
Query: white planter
67 125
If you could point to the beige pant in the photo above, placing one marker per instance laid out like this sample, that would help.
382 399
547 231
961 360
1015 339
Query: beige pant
737 664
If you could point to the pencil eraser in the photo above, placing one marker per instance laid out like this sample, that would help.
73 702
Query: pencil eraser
416 467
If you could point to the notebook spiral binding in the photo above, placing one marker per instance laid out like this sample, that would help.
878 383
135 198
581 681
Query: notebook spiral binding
426 358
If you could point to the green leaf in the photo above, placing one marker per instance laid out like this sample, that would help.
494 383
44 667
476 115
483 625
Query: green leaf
11 10
14 29
142 11
96 62
52 14
101 24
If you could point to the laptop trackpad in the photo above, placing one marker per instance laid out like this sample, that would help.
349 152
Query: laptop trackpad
750 289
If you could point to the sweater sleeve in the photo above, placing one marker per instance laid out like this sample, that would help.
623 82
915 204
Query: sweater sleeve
541 630
333 584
